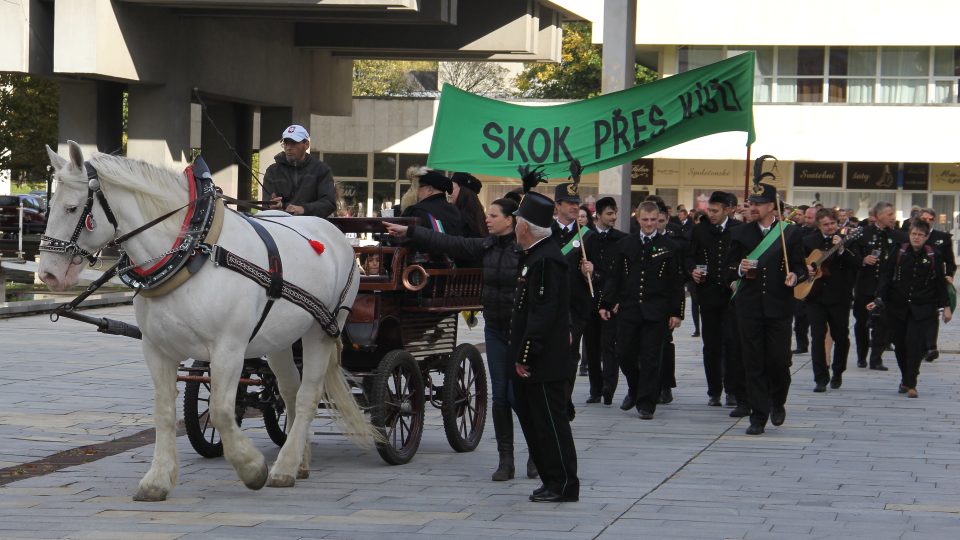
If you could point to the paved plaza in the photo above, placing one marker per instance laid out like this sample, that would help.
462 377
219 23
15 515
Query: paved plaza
859 462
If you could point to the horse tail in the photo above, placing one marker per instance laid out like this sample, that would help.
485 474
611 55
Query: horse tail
339 400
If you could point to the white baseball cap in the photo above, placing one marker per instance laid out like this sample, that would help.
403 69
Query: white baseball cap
295 132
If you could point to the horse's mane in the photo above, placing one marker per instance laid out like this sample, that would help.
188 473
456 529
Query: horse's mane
157 190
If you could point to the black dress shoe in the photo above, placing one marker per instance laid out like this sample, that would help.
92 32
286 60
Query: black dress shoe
820 387
740 411
666 396
607 400
629 402
696 333
798 350
713 401
755 429
593 399
540 489
880 367
645 415
836 381
549 496
778 415
932 355
861 363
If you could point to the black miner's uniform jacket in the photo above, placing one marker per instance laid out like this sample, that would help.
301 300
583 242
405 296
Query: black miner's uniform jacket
646 280
499 256
887 241
912 283
709 246
942 243
766 296
437 206
602 251
580 302
308 184
837 287
540 327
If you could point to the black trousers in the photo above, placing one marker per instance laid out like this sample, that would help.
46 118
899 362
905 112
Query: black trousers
836 317
910 342
694 305
932 334
577 326
734 373
713 323
801 324
542 411
861 328
766 358
668 362
600 338
639 348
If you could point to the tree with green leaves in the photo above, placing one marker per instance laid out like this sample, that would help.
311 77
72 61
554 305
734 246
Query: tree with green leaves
579 73
387 78
28 122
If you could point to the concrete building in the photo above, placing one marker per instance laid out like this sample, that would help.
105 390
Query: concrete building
858 101
227 77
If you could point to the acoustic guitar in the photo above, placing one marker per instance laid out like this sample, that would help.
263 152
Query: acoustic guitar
816 259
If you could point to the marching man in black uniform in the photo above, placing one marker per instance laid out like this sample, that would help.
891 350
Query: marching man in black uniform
874 248
601 336
645 291
539 343
765 261
912 289
705 259
828 304
942 243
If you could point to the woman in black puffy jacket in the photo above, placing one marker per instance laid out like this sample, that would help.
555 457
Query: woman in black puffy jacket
498 256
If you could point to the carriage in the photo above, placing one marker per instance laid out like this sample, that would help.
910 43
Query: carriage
400 351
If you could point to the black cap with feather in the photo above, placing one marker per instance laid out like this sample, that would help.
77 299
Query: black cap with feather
763 193
531 177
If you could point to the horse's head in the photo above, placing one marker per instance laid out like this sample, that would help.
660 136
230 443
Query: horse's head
69 232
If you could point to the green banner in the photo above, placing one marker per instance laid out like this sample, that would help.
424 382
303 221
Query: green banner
486 136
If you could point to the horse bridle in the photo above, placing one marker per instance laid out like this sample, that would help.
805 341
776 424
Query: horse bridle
72 247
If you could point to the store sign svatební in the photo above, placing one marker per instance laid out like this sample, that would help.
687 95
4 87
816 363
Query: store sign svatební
815 174
872 176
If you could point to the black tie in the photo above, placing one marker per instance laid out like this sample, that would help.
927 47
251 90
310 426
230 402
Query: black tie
720 229
646 240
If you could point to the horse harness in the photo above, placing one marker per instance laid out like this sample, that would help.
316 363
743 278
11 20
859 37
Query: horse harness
194 245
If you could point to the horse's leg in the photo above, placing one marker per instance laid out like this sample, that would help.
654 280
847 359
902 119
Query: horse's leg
226 365
160 479
316 354
284 367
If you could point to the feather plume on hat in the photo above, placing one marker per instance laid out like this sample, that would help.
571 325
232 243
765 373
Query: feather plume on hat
576 169
531 177
759 175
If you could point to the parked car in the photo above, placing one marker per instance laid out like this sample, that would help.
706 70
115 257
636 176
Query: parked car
34 218
41 195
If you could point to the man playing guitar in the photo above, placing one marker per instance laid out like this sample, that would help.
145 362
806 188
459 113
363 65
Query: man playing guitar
828 305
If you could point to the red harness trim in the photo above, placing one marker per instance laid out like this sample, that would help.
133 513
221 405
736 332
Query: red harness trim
183 229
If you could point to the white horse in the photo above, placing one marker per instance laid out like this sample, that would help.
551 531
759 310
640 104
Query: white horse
212 315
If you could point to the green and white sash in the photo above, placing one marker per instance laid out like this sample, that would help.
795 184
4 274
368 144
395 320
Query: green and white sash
758 251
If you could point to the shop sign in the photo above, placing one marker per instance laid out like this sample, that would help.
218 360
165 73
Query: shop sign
872 176
945 177
814 174
641 172
916 176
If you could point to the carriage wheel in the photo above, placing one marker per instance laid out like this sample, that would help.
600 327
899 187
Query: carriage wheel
203 436
464 398
398 400
275 419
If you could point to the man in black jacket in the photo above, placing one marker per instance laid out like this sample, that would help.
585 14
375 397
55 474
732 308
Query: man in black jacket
299 183
828 304
942 243
764 303
874 248
432 208
600 336
705 259
645 291
539 345
572 241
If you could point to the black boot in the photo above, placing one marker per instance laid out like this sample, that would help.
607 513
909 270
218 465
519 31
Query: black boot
503 430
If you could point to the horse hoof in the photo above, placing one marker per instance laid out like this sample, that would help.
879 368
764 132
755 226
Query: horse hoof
259 480
281 481
303 474
150 494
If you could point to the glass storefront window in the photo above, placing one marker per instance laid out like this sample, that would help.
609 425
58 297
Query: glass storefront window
406 160
696 57
384 198
351 198
347 165
385 166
